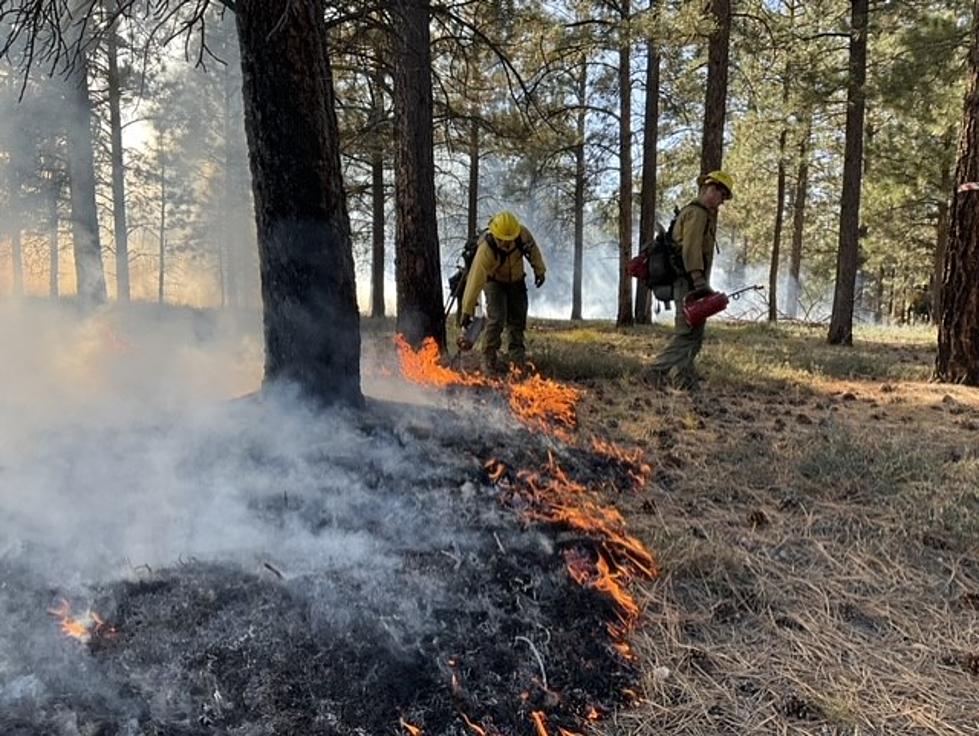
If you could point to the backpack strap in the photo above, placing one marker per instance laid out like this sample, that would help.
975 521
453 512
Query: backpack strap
501 254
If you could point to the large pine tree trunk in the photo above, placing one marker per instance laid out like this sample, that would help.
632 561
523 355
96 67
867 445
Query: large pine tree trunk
650 141
715 102
312 325
798 223
777 230
958 330
89 273
625 168
417 263
841 323
942 228
579 194
120 233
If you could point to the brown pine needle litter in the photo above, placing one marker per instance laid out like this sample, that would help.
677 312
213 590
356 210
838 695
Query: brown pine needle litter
815 513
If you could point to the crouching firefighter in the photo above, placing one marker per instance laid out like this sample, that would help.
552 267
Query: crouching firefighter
694 239
497 269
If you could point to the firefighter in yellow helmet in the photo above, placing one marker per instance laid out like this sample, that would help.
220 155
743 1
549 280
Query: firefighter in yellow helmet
498 271
694 237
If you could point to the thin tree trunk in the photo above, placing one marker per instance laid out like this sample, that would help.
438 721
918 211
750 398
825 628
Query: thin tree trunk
162 234
579 194
17 261
377 232
377 197
798 222
625 316
715 103
229 224
841 323
879 296
118 171
650 141
312 325
417 263
777 230
89 272
472 194
53 256
958 330
942 229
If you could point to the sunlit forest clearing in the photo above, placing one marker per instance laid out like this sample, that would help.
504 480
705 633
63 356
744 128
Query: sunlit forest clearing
489 368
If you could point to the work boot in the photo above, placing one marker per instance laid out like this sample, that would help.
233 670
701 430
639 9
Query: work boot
490 364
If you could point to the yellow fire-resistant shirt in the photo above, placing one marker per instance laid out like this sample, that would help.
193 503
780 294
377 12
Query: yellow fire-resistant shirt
695 232
487 265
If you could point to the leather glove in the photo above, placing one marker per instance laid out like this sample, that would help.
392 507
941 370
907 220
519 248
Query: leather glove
538 280
467 319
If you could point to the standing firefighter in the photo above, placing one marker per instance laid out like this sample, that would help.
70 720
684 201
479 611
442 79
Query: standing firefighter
497 269
694 237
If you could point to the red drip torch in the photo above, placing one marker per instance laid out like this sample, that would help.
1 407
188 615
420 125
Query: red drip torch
701 306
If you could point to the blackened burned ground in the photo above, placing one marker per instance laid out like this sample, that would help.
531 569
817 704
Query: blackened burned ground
209 648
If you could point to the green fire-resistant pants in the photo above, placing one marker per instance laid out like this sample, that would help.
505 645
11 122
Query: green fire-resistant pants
506 305
676 362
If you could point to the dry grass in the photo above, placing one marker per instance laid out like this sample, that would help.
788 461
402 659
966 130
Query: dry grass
815 511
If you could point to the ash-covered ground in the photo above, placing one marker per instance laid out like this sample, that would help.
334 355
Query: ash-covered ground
263 569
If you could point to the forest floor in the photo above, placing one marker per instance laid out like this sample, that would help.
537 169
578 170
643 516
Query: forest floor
815 513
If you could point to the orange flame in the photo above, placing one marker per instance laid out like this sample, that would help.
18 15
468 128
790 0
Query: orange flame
594 715
81 628
636 467
412 730
539 723
545 405
423 366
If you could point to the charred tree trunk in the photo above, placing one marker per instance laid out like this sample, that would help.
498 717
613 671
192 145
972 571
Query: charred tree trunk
650 141
89 272
798 223
54 194
120 234
715 103
579 194
377 200
777 231
958 330
417 262
625 168
312 326
841 323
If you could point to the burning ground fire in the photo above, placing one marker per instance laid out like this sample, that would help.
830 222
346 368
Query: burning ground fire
550 496
83 628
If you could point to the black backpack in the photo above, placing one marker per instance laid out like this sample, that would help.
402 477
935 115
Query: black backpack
457 281
660 263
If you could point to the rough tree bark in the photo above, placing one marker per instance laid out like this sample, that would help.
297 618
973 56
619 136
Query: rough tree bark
472 193
650 141
798 222
89 272
715 102
311 321
958 330
625 167
841 322
579 193
942 228
417 261
120 234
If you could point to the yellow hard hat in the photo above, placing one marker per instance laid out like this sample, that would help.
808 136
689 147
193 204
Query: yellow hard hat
720 177
505 226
